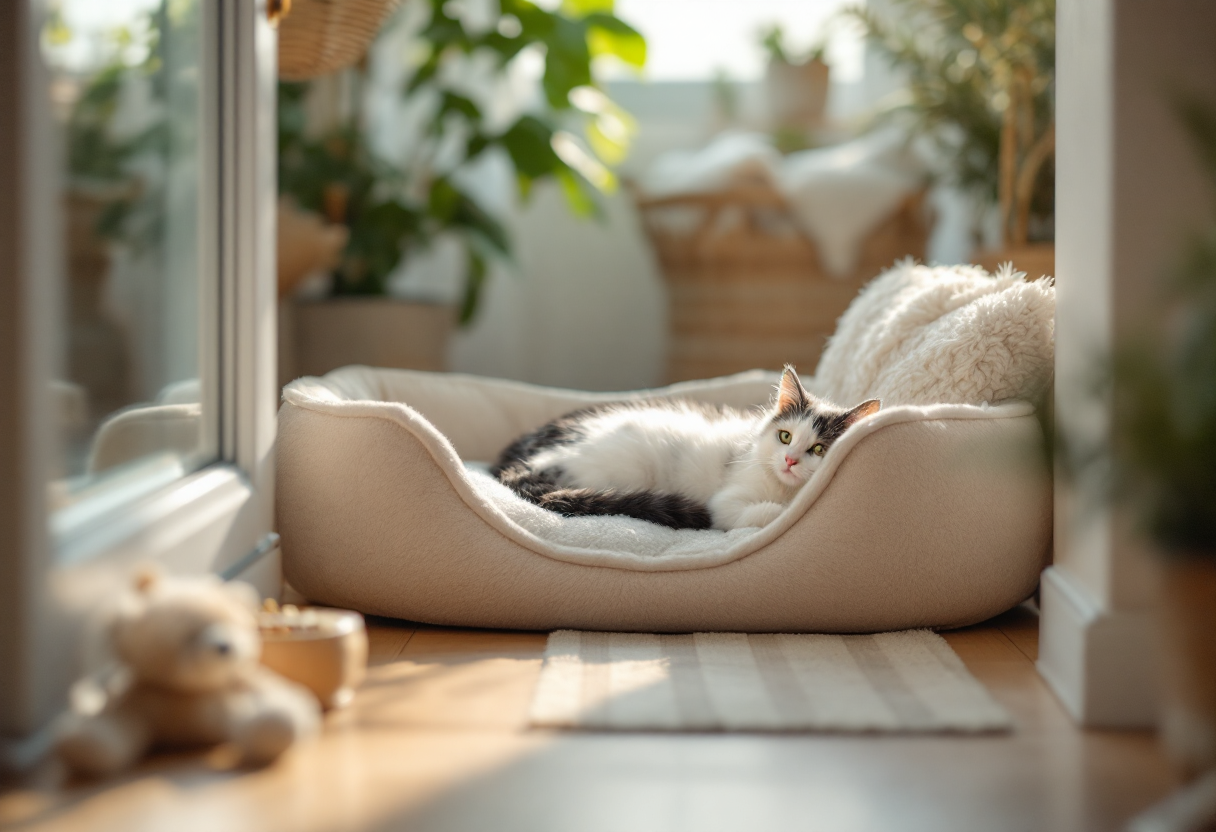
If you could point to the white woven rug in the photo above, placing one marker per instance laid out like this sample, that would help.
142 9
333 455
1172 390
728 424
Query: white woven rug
904 681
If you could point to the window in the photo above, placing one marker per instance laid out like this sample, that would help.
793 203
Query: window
725 39
133 390
137 317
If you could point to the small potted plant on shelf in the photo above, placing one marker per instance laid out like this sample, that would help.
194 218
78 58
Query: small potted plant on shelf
796 90
1165 457
981 83
395 212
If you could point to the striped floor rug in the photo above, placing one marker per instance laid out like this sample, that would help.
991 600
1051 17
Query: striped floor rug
905 681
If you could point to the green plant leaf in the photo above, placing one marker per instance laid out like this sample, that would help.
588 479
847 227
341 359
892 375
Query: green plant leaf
477 225
578 192
507 48
529 143
524 182
474 282
567 62
609 35
477 143
444 201
572 154
453 103
425 72
536 24
610 130
582 8
607 147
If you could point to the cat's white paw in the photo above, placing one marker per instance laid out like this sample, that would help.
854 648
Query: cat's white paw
759 514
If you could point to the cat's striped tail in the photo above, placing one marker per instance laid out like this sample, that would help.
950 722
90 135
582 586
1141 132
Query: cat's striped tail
672 510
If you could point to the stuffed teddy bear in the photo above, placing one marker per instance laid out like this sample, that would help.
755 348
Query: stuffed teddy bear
186 674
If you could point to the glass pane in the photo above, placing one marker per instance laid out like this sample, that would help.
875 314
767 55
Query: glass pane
126 88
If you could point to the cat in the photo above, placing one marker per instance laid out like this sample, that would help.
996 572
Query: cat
678 463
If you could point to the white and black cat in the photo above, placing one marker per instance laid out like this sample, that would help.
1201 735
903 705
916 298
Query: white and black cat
678 463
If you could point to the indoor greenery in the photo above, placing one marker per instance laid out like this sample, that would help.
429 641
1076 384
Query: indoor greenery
392 210
980 77
790 138
1165 390
772 40
102 161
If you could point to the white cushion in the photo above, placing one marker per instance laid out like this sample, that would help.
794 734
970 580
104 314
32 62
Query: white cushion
927 334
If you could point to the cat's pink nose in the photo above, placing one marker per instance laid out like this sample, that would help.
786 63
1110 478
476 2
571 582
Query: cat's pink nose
791 461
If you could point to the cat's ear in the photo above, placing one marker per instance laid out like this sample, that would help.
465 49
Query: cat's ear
790 394
862 410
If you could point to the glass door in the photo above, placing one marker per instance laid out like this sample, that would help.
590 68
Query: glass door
133 392
137 325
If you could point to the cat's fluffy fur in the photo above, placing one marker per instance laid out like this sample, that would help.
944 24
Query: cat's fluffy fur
678 463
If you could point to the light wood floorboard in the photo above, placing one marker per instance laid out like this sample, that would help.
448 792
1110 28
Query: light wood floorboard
436 740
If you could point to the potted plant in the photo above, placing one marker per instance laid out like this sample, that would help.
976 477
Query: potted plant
395 211
796 90
980 80
1165 456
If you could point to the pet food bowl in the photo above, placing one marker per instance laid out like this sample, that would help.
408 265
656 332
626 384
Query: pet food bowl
323 649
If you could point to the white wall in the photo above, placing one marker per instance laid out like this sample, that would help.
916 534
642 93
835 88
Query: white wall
585 309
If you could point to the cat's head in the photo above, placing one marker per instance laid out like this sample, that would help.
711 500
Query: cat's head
801 428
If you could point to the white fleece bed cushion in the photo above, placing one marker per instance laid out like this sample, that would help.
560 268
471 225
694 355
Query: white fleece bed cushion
920 516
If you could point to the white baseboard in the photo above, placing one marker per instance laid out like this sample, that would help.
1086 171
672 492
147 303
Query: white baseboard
1101 663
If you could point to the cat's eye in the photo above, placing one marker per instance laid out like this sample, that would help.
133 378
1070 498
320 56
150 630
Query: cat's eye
818 449
784 436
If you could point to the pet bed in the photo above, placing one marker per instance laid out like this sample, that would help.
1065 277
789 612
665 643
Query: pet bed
934 512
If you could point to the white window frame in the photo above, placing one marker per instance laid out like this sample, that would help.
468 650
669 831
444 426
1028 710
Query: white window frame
218 519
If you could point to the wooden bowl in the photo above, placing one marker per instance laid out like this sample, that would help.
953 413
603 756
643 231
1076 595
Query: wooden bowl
323 649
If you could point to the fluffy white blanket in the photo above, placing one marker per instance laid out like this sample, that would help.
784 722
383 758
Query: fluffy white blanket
934 334
838 194
612 534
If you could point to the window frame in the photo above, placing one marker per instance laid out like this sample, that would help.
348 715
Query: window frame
218 519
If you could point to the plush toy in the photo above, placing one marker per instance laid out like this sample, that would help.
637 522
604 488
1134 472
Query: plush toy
186 674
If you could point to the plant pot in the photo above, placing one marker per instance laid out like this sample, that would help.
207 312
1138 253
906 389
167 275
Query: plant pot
1036 259
317 336
797 94
1188 630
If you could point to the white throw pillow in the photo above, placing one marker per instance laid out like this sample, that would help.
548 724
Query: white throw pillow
943 334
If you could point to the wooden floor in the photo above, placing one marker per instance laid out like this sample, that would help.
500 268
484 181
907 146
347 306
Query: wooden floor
436 740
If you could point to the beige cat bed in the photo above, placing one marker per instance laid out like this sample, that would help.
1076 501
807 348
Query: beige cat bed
925 514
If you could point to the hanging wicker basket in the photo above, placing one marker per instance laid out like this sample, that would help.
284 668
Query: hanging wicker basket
317 37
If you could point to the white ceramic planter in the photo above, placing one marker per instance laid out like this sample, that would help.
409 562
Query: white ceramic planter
796 94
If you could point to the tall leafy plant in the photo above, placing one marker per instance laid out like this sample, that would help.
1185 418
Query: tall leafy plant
392 210
981 82
1165 389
